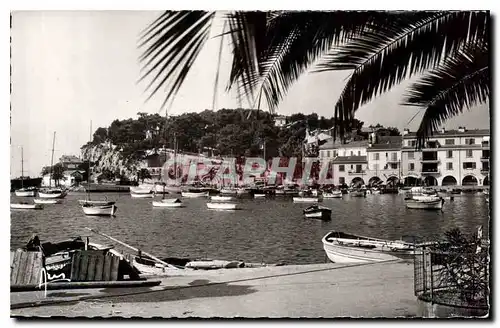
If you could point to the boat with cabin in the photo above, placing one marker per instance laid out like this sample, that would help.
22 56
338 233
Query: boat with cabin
24 191
342 247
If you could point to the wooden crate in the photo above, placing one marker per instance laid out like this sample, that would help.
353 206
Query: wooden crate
25 267
94 266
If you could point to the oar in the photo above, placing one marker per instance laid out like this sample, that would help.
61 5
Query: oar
131 247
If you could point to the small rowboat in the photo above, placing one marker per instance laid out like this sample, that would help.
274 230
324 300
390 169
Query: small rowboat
95 202
47 201
191 194
26 206
222 206
426 204
26 192
99 210
333 194
318 212
305 199
259 195
148 195
221 198
169 202
51 193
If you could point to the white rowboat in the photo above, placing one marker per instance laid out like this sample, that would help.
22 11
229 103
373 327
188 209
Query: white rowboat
190 194
25 193
148 195
169 202
95 202
21 206
435 204
222 206
100 210
318 212
47 201
221 198
333 194
259 195
51 193
305 199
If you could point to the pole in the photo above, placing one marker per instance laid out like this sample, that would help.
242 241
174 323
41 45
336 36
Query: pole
131 247
52 159
216 83
22 168
175 157
88 160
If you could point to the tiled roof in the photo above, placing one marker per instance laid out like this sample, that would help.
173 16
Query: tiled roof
454 133
336 145
386 142
349 159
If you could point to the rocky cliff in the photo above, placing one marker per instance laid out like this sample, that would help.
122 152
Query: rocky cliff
106 156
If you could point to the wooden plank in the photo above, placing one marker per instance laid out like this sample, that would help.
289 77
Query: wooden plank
37 268
75 266
99 265
15 267
91 266
106 271
114 268
30 256
23 259
84 262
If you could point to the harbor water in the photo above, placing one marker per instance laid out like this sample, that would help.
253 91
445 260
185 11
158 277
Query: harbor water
268 230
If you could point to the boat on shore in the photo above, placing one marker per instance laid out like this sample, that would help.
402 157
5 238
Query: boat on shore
342 247
47 201
222 206
168 202
25 206
425 204
318 212
99 210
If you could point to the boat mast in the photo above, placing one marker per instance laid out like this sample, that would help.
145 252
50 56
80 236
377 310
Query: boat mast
175 157
22 169
52 159
88 160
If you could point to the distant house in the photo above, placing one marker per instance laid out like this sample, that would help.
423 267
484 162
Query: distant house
280 121
70 162
71 177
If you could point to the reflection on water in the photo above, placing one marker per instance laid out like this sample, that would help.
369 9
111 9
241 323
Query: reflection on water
265 230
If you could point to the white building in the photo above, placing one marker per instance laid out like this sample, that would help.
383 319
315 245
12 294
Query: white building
384 159
280 121
449 158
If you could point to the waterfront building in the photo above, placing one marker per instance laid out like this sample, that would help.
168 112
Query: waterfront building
348 160
449 158
384 160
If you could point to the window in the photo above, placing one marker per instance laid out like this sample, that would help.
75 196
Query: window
412 143
394 166
394 156
341 168
449 166
449 141
352 166
470 141
334 153
449 154
411 155
358 168
359 152
352 153
468 153
341 180
327 153
376 156
411 166
469 165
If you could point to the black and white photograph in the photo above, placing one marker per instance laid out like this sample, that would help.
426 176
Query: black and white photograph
292 164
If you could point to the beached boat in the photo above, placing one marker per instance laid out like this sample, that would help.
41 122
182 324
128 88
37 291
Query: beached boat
318 212
306 199
332 194
195 194
140 195
101 210
47 201
26 206
222 206
221 198
341 247
426 204
169 202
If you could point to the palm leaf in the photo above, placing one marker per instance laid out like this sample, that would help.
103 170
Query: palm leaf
387 54
460 82
172 43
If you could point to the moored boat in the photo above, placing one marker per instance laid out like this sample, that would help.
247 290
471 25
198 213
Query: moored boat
228 191
332 194
318 212
142 189
259 195
47 201
26 192
222 206
221 198
169 202
26 206
357 193
306 199
195 194
51 193
341 247
150 194
426 204
101 210
96 202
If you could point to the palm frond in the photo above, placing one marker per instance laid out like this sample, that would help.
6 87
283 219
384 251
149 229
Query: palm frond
388 53
459 83
172 43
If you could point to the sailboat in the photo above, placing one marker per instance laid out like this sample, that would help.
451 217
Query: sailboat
24 192
52 193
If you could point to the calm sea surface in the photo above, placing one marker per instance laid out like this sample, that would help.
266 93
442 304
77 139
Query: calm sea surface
265 230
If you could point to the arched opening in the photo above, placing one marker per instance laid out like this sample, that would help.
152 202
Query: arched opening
357 182
469 180
430 181
449 181
486 182
374 181
412 181
392 181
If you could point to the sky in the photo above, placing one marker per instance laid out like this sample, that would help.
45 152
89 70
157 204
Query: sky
73 67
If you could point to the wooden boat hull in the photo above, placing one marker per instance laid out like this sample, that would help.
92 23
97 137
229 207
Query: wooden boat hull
47 201
52 195
318 212
25 193
96 210
424 204
332 195
222 206
26 206
148 195
167 204
189 194
342 250
221 198
96 202
305 199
